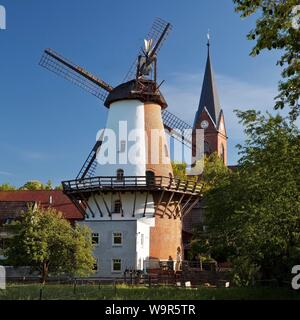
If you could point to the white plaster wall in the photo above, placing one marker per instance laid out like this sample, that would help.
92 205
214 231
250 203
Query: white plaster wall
106 251
132 252
127 200
131 113
143 250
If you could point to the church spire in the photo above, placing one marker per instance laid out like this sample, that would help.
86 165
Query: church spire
209 96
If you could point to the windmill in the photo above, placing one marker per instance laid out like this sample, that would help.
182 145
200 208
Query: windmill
136 207
143 66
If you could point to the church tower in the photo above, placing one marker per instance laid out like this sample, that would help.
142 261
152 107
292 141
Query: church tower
210 116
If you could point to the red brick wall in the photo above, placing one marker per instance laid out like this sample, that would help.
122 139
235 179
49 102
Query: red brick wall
166 236
215 137
153 120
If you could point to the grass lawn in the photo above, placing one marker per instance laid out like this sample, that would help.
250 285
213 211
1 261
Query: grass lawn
122 292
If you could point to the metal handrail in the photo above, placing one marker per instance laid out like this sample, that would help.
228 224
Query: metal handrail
157 182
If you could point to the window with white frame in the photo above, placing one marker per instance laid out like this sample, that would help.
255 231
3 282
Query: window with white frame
95 238
117 238
116 265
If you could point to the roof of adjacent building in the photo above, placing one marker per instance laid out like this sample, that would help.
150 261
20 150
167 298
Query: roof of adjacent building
19 199
209 96
12 209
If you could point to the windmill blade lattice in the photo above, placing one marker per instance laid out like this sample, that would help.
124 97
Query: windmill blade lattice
156 31
90 165
177 128
56 63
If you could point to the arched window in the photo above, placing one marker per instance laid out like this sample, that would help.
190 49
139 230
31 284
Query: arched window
150 177
120 175
223 153
117 206
207 150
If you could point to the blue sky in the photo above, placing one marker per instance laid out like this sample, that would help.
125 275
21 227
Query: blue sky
48 126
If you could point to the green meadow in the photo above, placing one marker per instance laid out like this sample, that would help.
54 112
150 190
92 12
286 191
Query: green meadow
122 292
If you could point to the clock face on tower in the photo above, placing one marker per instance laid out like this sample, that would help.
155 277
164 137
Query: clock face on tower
204 124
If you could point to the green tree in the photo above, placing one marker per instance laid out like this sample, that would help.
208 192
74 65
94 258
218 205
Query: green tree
46 240
255 212
37 185
48 185
214 172
277 29
7 187
179 170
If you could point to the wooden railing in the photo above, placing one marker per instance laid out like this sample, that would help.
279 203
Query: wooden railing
136 182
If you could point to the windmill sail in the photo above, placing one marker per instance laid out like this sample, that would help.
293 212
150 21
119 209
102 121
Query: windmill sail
56 63
89 167
158 34
177 128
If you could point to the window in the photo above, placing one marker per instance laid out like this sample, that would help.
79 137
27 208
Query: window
166 151
223 152
117 206
116 265
122 146
207 150
96 265
117 238
95 238
120 174
150 177
142 240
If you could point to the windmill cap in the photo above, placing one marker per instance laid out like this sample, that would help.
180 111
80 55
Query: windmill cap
128 91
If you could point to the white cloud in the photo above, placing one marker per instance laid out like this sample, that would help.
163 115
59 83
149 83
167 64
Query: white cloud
34 155
5 173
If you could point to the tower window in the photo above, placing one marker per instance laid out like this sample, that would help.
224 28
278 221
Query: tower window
166 151
150 177
142 240
207 149
117 239
122 146
117 206
120 175
116 265
223 152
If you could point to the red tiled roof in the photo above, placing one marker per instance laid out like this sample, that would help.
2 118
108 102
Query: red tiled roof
60 202
12 209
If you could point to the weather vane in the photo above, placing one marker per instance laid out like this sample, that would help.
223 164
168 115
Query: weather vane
208 38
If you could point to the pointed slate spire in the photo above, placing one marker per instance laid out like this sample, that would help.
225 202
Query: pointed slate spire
209 95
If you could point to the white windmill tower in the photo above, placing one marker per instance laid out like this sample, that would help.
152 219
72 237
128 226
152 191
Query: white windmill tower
126 188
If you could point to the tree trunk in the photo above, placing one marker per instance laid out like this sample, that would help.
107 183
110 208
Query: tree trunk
45 269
